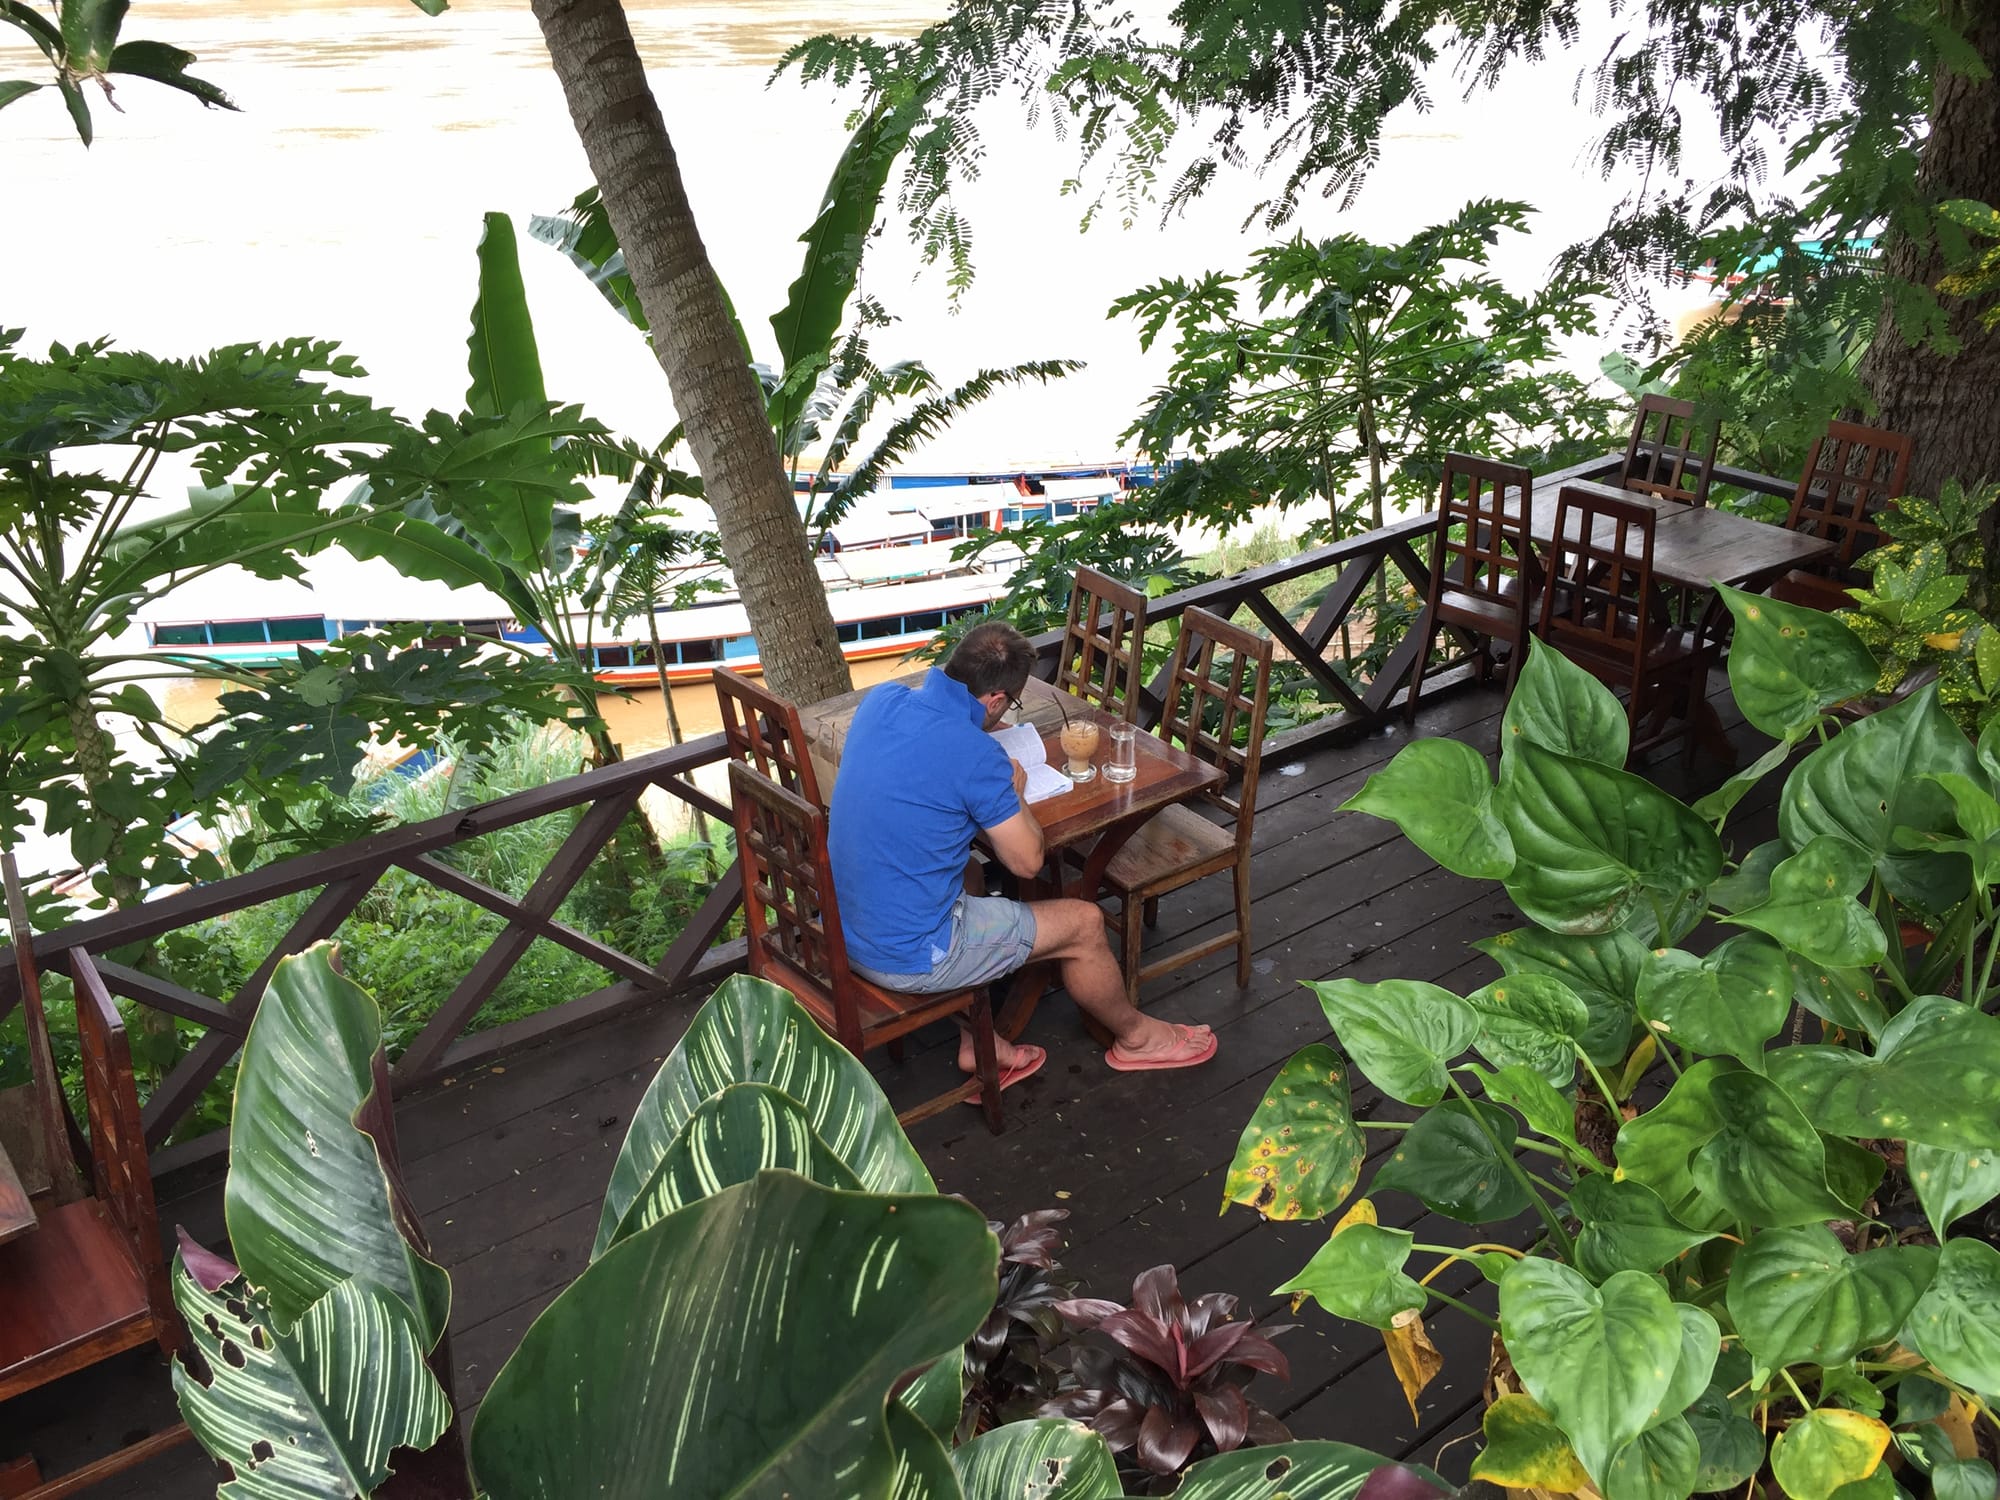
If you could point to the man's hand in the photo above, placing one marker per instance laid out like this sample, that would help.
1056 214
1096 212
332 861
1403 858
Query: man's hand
1021 782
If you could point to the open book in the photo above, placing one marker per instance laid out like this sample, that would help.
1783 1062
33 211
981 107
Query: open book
1023 744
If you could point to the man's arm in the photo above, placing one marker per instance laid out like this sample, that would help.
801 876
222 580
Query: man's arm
1018 841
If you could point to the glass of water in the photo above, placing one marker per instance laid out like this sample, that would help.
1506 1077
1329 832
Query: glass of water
1123 764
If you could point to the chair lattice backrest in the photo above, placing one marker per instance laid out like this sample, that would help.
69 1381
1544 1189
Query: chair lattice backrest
788 901
763 732
1220 683
1663 457
1852 475
1102 643
1483 519
1601 599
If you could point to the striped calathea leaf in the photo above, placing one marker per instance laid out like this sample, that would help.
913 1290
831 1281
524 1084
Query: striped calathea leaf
311 1410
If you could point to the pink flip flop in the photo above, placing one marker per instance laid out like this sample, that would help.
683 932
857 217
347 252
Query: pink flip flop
1012 1075
1191 1053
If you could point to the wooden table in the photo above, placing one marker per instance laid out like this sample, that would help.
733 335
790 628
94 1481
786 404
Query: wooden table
1697 546
17 1215
1097 817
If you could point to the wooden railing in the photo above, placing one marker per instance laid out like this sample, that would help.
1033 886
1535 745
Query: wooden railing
343 877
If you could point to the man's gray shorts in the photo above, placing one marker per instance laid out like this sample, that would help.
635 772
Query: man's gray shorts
990 936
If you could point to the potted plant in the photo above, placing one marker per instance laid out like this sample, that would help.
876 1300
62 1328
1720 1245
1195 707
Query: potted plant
1725 1292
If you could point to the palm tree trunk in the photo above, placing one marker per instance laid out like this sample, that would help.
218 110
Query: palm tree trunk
694 338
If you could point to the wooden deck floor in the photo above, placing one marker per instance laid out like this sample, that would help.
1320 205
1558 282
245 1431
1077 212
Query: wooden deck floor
508 1165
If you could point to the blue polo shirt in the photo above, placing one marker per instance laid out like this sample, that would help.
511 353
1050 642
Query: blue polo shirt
919 775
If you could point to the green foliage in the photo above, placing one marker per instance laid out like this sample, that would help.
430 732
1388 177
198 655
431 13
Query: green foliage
81 44
1750 1199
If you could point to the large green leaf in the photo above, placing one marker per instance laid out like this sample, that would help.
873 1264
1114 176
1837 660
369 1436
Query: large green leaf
1953 1325
1937 1084
1301 1154
1870 780
1534 1020
1729 1003
1846 997
1038 1459
1547 1112
746 1129
1358 1274
90 33
1626 1227
1798 1297
1951 1184
1601 969
1732 1449
1456 1162
1716 805
585 235
1300 1471
1662 1463
1825 1449
166 65
1591 843
753 1032
1788 664
1440 794
1401 1033
1658 1147
1765 1163
309 1200
1561 707
505 362
923 1462
1701 1341
312 1412
1978 816
1812 908
758 1333
1598 1359
417 548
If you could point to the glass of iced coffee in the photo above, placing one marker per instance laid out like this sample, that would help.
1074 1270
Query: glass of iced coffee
1079 744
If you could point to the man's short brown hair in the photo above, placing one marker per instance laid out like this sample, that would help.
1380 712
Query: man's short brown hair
992 657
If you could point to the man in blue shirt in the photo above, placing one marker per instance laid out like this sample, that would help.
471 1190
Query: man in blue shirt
920 775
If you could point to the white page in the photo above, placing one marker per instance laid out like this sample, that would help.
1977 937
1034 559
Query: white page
1023 744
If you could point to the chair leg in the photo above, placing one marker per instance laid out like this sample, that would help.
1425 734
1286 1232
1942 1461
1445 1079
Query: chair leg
1130 945
1242 874
895 1050
1152 911
986 1060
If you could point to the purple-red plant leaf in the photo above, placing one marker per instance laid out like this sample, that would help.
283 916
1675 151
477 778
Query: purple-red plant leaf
1144 1336
210 1271
1157 1293
1165 1441
1227 1414
1118 1424
1207 1310
1259 1353
1086 1312
1396 1482
1266 1429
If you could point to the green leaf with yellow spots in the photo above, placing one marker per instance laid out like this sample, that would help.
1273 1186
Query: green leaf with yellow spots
1526 1450
1789 664
1727 1004
1301 1154
1951 1184
1812 908
1826 1449
1533 1020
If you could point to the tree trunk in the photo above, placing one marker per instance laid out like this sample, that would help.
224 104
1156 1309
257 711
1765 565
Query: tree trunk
694 338
1945 401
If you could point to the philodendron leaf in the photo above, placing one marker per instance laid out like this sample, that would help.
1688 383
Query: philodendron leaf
1765 1163
1826 1449
1525 1449
1547 1112
1812 909
1561 707
1953 1325
746 1129
841 1291
1592 843
1456 1161
1301 1154
1535 1020
1701 1341
1626 1227
1401 1033
309 1413
1978 817
1937 1084
1598 1359
1964 1478
754 1032
1789 664
1658 1147
1716 805
310 1201
1358 1274
1729 1003
1870 780
1732 1449
1601 969
1797 1296
1846 997
1037 1459
1439 792
1662 1463
1951 1184
1306 1471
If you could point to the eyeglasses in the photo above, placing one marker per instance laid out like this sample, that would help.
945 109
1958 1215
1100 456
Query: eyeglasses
1014 702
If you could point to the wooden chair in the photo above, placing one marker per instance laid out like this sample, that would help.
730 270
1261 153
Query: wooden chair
795 941
90 1280
1103 643
1219 682
1665 460
1852 474
763 732
1484 577
1604 612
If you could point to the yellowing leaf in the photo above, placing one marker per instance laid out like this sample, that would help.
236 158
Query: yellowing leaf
1636 1065
1363 1212
1826 1449
1412 1355
1526 1450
